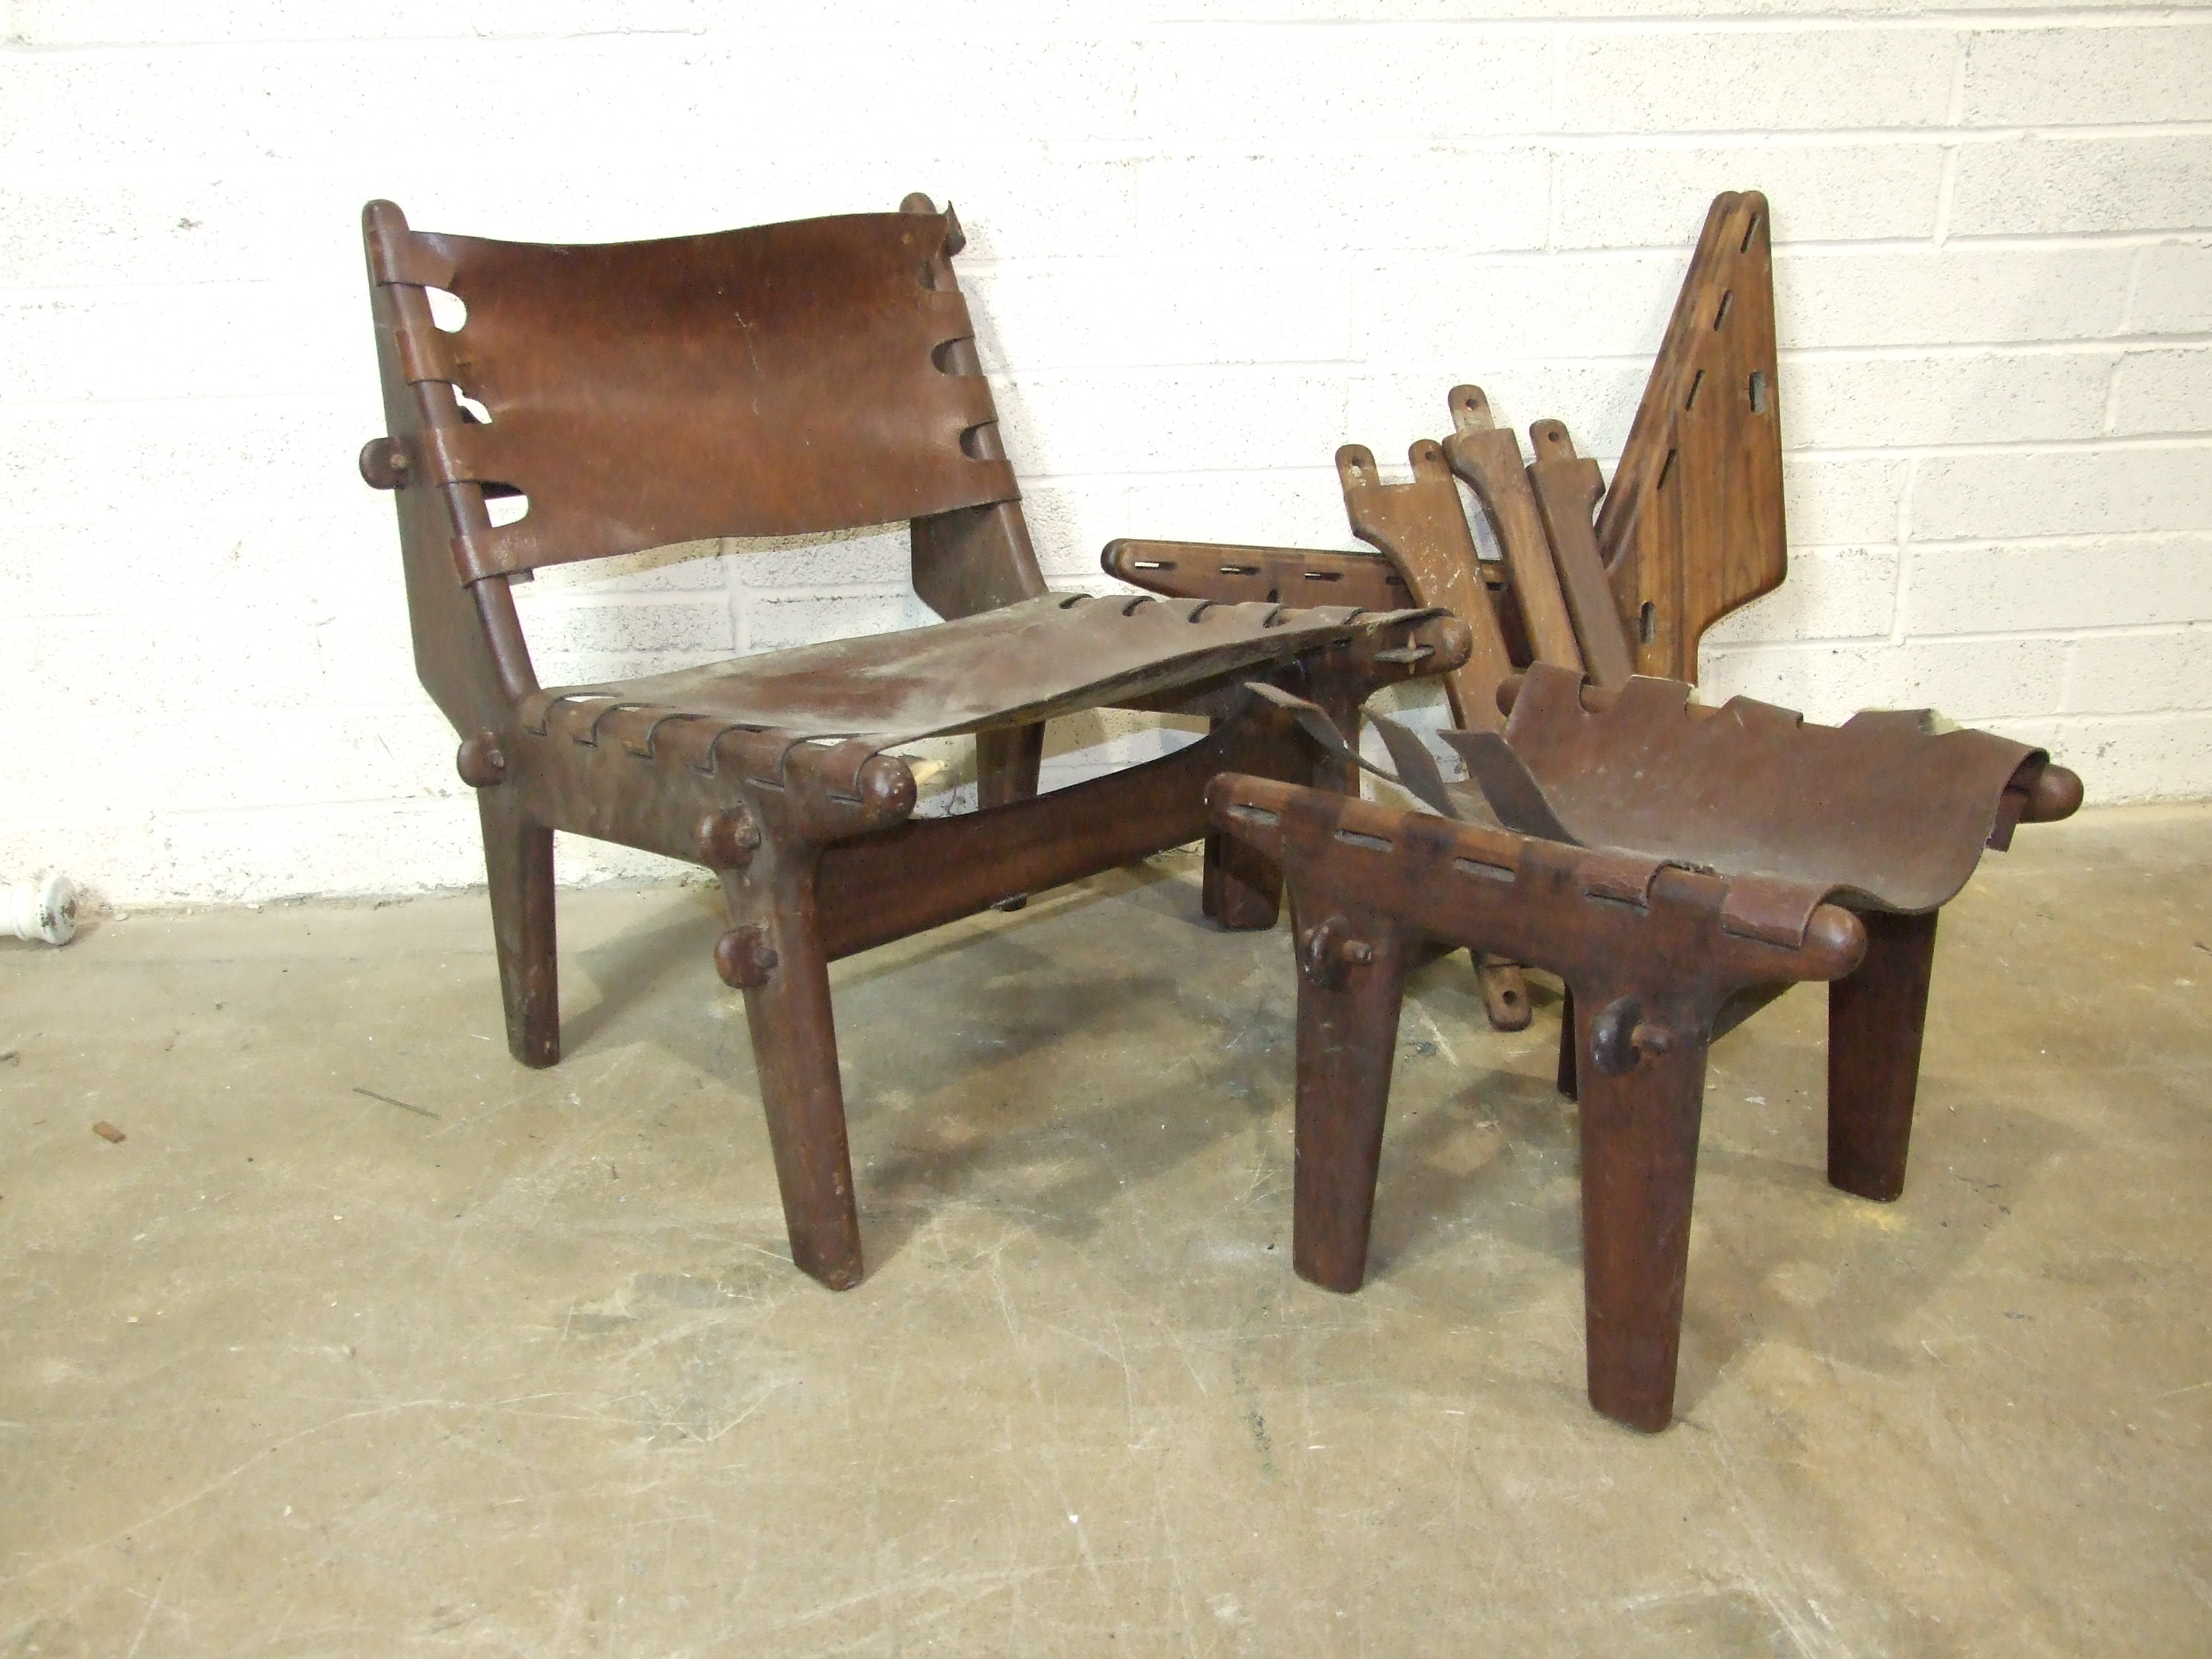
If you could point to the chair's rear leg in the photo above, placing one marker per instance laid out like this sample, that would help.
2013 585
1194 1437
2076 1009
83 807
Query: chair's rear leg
795 1049
1639 1145
1008 761
1347 1039
1504 992
519 870
1006 764
1240 888
1875 1019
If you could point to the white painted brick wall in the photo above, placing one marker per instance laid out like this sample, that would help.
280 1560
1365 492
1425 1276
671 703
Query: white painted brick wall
1209 241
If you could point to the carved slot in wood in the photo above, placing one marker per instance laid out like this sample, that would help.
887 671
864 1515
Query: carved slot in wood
1757 392
1691 402
1355 838
1720 314
1487 872
1666 469
1749 231
1647 623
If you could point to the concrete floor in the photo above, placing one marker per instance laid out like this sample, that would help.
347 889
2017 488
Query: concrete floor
520 1366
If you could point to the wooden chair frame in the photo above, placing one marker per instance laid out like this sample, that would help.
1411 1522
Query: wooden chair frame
810 376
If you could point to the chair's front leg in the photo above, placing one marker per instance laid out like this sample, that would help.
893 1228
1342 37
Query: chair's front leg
519 871
1641 1107
1351 981
1875 1018
775 955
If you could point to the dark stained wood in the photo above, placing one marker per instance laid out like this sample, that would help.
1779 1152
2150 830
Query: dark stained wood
795 1039
1422 528
1347 1041
1566 489
519 872
1649 953
1875 1019
1694 527
1488 456
1235 574
1639 1158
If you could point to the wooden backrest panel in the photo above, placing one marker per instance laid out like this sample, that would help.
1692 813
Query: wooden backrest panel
1693 526
777 381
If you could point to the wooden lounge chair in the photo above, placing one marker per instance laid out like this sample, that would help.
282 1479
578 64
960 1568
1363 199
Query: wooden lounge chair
802 377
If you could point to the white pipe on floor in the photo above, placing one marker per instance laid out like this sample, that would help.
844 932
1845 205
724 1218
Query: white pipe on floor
42 909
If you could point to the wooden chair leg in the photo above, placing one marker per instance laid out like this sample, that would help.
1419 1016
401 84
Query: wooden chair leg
1006 764
1567 1041
1347 1040
1875 1018
1241 889
1008 761
795 1049
519 870
1504 992
1639 1145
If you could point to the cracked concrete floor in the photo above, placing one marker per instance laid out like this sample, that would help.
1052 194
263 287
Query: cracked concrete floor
366 1341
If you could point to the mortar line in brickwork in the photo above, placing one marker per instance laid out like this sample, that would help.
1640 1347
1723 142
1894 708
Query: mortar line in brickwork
2119 717
1593 253
1905 490
1368 370
2093 345
980 274
2044 241
1946 192
1932 19
1900 586
2101 444
1234 146
2110 416
1811 20
2135 281
552 607
1799 642
2050 542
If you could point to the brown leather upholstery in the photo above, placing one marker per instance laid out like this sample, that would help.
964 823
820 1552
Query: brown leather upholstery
762 382
1884 811
1007 668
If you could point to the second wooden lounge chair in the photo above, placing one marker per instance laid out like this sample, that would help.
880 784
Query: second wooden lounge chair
1676 867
